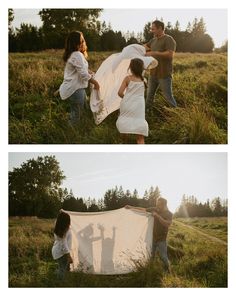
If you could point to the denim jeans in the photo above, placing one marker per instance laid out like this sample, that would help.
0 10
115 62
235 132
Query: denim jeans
166 87
63 266
77 101
161 249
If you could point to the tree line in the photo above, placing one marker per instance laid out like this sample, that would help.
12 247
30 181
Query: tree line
35 190
191 207
99 35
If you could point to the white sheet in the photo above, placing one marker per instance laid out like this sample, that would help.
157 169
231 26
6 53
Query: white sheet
110 76
110 242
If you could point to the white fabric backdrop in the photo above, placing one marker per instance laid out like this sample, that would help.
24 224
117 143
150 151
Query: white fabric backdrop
110 76
110 242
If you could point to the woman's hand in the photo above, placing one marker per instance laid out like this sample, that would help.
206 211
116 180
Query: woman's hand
95 83
91 73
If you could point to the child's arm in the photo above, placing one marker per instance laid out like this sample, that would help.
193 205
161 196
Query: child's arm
123 86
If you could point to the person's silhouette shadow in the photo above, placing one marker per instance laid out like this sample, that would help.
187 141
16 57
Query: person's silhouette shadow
107 264
85 251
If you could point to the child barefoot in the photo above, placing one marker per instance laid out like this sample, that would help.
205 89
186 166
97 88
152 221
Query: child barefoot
132 108
62 245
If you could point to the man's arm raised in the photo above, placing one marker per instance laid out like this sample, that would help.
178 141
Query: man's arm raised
163 221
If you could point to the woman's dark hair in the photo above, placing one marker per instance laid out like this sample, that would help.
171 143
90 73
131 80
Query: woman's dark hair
137 67
62 224
75 42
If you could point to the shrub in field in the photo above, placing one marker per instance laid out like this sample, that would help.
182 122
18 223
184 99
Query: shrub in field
190 125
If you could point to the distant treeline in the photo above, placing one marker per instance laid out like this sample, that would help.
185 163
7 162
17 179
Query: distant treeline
35 190
99 36
191 207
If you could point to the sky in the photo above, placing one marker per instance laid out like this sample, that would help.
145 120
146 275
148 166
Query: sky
203 175
135 19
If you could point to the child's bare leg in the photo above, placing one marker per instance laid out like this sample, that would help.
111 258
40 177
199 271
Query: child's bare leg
140 139
124 137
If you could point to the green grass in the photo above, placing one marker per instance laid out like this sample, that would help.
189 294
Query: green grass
196 260
215 226
37 116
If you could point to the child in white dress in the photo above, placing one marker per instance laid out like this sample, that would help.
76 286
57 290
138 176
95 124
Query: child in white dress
132 108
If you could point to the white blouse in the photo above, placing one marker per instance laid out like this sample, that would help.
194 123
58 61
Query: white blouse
76 75
62 246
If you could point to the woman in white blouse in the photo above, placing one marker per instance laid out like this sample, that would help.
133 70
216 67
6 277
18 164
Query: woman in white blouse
76 74
62 244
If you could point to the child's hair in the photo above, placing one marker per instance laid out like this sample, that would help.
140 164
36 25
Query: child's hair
62 224
137 67
73 40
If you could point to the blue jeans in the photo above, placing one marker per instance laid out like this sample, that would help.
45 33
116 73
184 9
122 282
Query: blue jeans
77 101
161 249
63 266
166 87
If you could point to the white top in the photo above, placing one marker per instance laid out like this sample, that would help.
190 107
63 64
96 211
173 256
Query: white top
76 75
132 110
62 246
110 75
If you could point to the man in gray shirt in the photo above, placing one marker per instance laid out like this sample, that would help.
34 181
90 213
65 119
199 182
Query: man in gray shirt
161 47
162 221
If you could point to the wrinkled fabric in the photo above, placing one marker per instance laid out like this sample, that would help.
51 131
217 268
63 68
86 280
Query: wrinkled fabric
110 242
110 76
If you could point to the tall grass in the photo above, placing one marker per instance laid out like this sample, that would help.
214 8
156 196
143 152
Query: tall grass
196 261
37 116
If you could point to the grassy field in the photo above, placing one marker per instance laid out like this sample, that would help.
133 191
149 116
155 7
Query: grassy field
37 116
214 226
197 260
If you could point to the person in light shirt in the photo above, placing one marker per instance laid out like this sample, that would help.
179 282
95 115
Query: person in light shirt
62 244
77 75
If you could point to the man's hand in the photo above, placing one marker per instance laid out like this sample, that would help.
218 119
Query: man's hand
162 54
149 53
154 214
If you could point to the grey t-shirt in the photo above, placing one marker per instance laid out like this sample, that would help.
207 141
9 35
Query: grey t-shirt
165 65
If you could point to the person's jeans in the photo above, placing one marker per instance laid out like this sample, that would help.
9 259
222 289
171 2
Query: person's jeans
161 249
166 87
77 101
63 266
